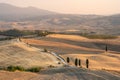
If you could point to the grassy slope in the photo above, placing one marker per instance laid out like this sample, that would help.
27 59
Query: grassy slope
97 61
72 46
60 74
21 54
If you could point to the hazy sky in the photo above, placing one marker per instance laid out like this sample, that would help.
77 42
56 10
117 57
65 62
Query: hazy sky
72 6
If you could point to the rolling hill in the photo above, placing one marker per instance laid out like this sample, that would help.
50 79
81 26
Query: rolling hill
21 54
35 19
103 66
9 12
74 46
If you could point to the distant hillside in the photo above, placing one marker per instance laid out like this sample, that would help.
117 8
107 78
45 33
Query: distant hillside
10 12
34 19
79 23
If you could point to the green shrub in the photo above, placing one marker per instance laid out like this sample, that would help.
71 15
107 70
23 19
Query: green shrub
45 50
34 69
19 68
11 68
14 68
51 66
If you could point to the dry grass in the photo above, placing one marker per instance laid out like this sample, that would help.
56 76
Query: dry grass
98 61
5 75
102 60
21 54
69 37
83 39
27 56
57 44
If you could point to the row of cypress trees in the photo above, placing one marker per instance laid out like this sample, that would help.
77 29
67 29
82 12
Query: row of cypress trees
77 62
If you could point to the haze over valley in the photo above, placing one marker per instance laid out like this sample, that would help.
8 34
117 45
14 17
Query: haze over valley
35 19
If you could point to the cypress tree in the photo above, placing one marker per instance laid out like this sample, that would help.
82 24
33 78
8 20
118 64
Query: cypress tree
106 48
68 59
79 63
76 62
87 63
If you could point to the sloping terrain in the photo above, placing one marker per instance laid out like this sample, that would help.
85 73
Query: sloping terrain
4 75
71 73
103 65
82 48
75 44
58 44
105 61
36 19
12 13
113 44
17 53
68 73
